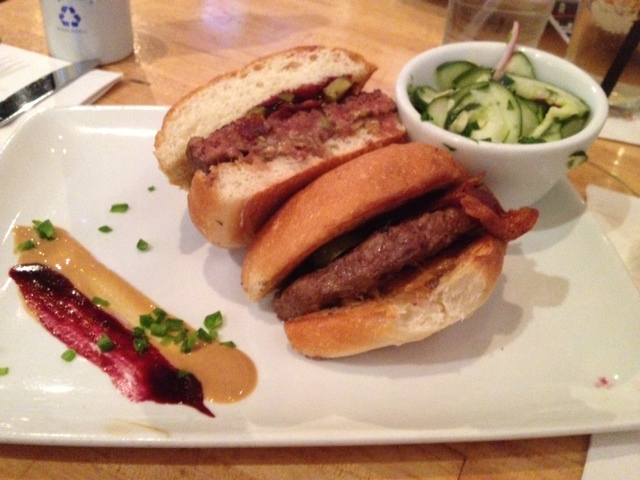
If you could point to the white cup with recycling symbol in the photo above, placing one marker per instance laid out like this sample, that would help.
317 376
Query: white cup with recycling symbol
84 29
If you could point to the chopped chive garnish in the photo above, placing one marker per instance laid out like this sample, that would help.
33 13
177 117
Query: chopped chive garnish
26 245
119 208
105 344
158 329
174 325
4 371
229 344
172 330
213 321
179 337
183 373
68 355
100 302
105 229
44 229
189 343
137 331
143 245
205 336
146 320
151 188
141 344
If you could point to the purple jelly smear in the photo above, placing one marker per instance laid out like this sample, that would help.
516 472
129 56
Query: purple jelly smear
73 318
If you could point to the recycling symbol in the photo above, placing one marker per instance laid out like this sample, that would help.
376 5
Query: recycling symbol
69 17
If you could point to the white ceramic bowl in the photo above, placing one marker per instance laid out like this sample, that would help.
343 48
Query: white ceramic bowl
518 174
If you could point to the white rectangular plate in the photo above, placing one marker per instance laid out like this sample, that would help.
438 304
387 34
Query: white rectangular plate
555 351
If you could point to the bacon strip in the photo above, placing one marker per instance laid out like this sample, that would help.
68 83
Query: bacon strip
480 203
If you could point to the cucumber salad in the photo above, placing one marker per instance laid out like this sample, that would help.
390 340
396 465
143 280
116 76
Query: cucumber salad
505 104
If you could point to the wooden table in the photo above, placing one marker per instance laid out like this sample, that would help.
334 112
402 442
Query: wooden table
181 44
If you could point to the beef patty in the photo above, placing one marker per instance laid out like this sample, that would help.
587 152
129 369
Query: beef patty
369 265
297 130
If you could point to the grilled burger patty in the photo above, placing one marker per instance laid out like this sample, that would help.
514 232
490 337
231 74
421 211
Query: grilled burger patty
363 271
367 267
298 130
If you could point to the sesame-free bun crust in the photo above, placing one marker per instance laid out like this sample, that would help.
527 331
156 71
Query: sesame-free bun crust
339 201
451 287
231 201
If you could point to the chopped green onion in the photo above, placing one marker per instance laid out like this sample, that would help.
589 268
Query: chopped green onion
137 332
205 336
179 337
151 188
105 229
183 373
172 330
26 245
158 329
229 344
44 229
141 344
174 325
143 245
105 344
4 371
119 207
68 355
213 321
189 342
100 302
146 320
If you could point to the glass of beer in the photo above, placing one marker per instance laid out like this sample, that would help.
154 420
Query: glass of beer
600 36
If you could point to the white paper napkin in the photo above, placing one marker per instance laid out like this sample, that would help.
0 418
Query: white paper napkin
621 129
613 456
20 67
616 455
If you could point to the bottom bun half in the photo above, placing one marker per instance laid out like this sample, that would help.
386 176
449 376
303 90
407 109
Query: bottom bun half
447 289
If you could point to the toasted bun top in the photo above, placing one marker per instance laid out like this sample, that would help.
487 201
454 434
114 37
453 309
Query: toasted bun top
339 201
230 96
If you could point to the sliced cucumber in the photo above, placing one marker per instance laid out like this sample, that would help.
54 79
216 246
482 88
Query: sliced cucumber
572 125
438 110
489 112
466 99
447 73
516 109
563 104
422 96
502 119
532 115
519 64
552 133
473 75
